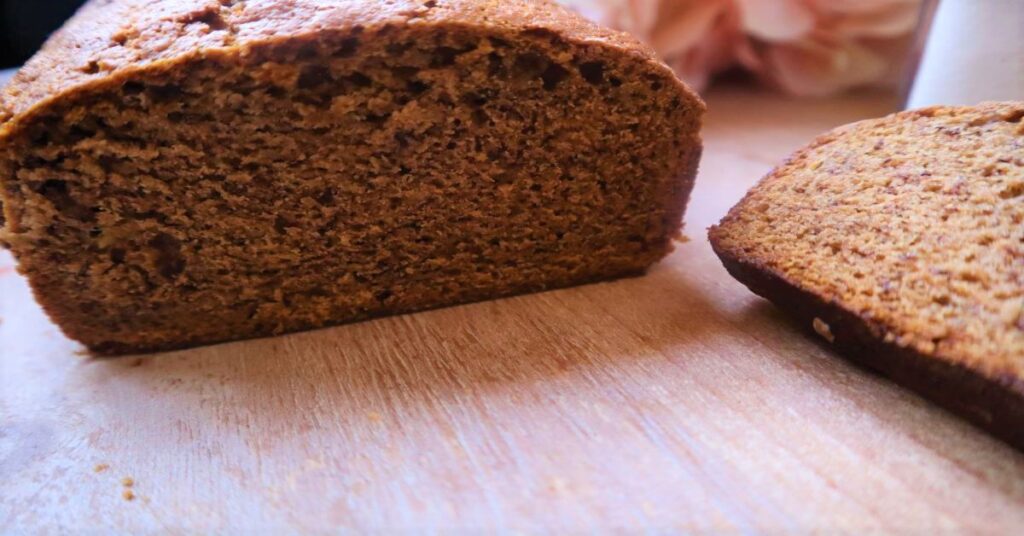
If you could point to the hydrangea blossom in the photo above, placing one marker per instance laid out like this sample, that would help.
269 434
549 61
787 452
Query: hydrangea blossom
804 47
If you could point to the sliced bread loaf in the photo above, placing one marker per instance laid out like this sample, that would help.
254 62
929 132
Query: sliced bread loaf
900 241
182 172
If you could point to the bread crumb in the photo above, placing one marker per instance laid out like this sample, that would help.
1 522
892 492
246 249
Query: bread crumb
100 467
127 482
128 495
374 416
823 329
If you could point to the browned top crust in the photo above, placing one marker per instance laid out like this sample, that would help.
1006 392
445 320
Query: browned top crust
913 222
108 40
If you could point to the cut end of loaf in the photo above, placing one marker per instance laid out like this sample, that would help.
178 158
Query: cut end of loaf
914 220
904 237
322 179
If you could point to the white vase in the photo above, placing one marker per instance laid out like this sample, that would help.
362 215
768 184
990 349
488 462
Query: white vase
974 53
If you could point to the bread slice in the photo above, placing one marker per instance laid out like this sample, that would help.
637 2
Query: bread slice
180 173
900 241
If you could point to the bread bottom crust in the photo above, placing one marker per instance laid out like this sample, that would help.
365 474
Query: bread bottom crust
995 405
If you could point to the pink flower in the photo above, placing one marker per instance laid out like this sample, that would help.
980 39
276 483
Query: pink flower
805 47
697 38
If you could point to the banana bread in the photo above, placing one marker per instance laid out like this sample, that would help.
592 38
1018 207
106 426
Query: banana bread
182 172
900 242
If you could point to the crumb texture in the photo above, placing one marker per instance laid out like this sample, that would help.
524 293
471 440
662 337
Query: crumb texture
914 222
361 169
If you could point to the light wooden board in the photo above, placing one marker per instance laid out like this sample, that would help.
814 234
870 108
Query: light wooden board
672 401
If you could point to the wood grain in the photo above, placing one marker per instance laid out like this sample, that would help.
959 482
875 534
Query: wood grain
672 401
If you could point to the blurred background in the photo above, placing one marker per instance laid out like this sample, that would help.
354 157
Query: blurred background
25 24
801 47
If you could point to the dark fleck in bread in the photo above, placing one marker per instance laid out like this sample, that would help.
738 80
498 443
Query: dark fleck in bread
900 241
189 171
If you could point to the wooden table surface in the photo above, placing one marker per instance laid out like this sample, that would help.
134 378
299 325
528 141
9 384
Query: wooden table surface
677 400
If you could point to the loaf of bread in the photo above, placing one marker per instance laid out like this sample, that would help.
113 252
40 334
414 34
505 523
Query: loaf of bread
900 242
182 172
